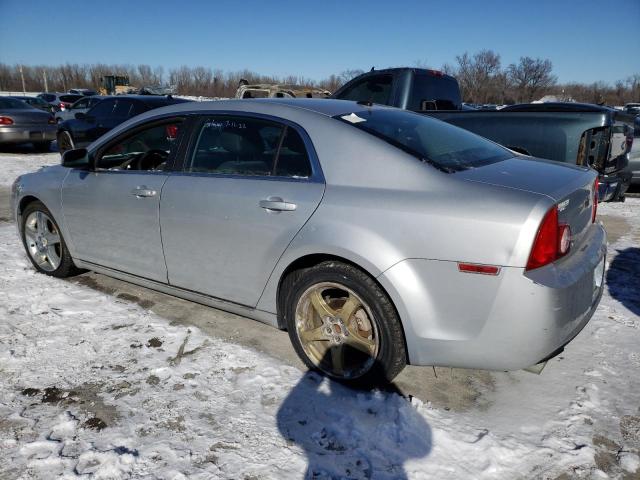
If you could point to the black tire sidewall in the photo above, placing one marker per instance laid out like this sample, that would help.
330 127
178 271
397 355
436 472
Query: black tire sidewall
391 357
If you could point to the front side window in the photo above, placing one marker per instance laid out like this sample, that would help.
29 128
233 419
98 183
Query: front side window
248 146
147 149
374 89
445 146
102 109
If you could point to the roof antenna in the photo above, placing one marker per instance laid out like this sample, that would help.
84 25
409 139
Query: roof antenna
372 69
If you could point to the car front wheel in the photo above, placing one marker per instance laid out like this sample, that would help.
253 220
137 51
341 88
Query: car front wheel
44 243
65 141
343 324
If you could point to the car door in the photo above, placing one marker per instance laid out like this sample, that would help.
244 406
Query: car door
247 188
85 130
112 211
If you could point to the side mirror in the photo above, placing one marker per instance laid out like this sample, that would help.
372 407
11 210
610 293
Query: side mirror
81 116
76 158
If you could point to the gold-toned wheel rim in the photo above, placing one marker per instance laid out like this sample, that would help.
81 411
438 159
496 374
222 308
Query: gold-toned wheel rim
337 330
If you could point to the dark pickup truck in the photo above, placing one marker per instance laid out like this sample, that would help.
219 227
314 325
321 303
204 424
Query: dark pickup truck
575 133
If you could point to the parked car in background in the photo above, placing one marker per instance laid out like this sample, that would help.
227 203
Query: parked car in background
80 106
83 91
633 108
84 128
60 101
271 209
22 123
35 102
572 133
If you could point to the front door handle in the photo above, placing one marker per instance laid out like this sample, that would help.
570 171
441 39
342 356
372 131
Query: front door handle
277 204
143 191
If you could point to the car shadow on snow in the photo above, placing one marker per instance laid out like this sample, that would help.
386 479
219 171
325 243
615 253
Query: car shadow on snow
350 433
623 278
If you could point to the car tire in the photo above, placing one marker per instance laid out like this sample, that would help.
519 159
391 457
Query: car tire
65 141
364 349
44 243
42 146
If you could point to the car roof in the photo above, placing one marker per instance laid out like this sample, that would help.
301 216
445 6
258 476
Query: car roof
322 106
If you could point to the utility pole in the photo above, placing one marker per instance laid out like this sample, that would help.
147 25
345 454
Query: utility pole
46 85
24 90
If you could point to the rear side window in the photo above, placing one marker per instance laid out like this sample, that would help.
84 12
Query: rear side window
236 146
13 104
374 88
251 147
70 98
445 146
47 96
293 160
431 92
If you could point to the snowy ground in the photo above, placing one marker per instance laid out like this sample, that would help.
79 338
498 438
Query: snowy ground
92 385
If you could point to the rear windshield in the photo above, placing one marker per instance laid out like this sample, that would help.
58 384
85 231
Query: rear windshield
444 146
70 98
47 96
13 104
430 92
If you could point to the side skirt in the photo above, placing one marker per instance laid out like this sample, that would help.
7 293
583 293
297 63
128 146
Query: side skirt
242 310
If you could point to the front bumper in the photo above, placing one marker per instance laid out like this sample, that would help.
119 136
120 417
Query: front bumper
505 322
26 134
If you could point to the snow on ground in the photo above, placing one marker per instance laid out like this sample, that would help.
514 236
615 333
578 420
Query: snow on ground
13 165
93 385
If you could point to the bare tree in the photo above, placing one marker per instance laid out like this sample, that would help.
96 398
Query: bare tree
531 77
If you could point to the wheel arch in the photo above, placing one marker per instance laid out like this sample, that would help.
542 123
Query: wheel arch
22 204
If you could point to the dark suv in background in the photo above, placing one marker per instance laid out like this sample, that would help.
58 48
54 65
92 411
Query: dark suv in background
105 115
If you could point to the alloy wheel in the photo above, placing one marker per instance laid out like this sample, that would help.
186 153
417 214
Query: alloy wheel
337 331
43 241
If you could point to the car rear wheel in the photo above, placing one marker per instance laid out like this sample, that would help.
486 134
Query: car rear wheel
44 243
343 324
65 141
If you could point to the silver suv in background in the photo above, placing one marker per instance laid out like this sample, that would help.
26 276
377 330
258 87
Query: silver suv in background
60 101
80 106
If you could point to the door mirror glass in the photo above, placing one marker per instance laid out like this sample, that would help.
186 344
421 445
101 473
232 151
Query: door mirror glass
76 158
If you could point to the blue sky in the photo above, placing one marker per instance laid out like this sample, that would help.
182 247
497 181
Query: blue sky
587 40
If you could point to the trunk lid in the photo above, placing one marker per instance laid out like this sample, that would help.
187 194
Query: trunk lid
24 117
571 188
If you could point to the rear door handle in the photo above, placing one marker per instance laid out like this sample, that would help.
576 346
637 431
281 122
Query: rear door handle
277 204
143 192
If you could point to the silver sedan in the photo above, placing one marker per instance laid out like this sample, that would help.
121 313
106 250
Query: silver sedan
377 237
22 123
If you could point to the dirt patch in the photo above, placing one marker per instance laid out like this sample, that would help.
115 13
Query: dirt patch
630 429
616 227
154 342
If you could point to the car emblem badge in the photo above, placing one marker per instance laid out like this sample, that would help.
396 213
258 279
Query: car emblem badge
563 205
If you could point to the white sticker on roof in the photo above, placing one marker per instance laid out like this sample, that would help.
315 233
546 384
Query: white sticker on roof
353 118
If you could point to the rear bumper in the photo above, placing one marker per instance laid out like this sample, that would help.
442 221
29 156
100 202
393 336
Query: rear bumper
39 133
504 322
613 186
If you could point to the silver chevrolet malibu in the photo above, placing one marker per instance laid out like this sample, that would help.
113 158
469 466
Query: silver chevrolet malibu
377 237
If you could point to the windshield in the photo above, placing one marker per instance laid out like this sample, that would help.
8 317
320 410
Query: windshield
444 146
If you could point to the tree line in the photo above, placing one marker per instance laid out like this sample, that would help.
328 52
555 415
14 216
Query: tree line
482 77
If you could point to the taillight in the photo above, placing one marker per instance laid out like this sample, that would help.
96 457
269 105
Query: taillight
172 132
6 121
594 209
553 241
62 106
